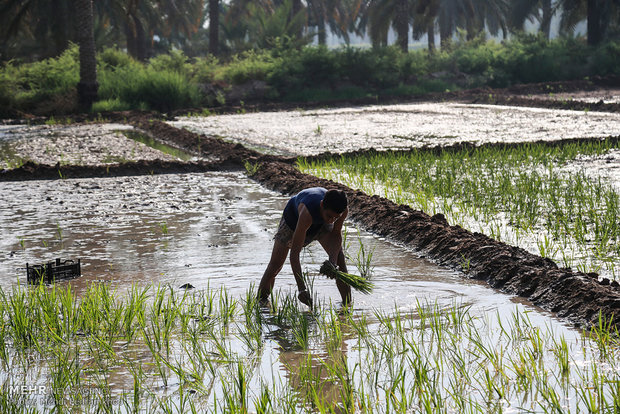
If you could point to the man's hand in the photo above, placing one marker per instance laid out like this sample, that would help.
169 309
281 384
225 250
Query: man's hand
305 298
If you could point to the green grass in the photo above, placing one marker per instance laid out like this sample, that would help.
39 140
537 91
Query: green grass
521 194
203 350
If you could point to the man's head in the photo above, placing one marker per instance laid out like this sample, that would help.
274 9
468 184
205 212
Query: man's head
333 205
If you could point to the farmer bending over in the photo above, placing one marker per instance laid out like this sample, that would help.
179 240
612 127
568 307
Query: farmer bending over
313 214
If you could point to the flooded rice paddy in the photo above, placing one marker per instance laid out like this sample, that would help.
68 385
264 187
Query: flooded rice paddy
209 230
311 132
426 339
78 144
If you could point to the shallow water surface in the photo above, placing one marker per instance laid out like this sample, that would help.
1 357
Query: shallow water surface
400 126
214 230
209 230
76 144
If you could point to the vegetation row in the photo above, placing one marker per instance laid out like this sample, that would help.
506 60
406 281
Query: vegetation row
531 195
173 81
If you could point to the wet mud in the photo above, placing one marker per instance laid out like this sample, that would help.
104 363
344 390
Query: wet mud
35 171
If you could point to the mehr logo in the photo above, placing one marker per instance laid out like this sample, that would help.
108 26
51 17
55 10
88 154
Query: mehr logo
28 389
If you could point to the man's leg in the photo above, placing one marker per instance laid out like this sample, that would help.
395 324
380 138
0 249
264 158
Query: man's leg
331 244
278 257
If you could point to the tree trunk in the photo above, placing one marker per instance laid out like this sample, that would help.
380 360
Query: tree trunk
141 53
430 34
61 33
88 86
322 31
401 23
320 23
545 24
595 30
214 27
297 7
445 31
473 24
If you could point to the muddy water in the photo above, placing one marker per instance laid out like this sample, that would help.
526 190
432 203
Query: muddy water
79 144
213 230
604 96
400 126
209 230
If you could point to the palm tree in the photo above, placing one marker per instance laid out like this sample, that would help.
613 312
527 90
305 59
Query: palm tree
599 14
379 15
88 86
540 10
38 28
214 27
401 24
259 23
473 15
337 15
140 22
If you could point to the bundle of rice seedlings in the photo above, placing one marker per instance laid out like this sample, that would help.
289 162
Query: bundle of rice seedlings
356 282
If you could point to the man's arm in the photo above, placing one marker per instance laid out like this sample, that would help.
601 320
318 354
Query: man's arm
299 236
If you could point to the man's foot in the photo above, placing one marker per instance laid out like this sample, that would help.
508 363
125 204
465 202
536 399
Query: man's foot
305 298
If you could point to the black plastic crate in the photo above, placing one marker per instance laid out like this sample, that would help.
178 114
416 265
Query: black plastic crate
52 271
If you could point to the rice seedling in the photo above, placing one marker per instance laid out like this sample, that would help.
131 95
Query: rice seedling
186 352
358 283
363 258
251 330
528 195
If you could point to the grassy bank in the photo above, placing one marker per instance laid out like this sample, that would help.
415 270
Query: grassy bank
526 195
169 82
155 350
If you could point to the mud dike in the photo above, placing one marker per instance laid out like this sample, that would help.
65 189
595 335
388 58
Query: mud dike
578 297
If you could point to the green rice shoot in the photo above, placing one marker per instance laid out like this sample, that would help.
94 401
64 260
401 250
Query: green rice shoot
358 283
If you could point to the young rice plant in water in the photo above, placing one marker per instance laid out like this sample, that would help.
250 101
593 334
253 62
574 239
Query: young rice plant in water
528 195
155 349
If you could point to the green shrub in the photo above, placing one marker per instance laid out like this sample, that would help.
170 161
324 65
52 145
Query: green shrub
114 104
376 68
606 59
112 58
311 67
250 65
203 70
311 73
414 64
531 58
175 61
475 59
317 66
39 81
142 87
7 95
